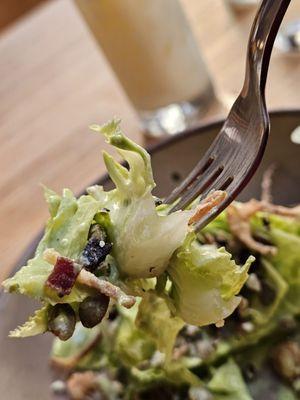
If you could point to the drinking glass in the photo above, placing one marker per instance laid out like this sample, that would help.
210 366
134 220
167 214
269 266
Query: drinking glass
242 4
288 39
152 50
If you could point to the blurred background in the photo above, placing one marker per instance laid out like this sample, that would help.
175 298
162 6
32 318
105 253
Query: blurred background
67 64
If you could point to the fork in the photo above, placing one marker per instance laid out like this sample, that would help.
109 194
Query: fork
236 152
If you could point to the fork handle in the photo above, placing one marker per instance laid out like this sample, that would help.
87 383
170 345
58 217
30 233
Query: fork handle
263 33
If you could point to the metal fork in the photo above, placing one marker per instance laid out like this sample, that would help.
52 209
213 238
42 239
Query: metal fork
236 152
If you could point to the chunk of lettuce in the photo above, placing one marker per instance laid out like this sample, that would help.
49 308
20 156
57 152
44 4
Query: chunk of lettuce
261 314
146 332
36 324
205 282
227 383
132 346
162 326
84 350
66 232
144 239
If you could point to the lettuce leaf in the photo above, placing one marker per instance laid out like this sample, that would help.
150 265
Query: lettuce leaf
227 383
284 233
36 324
205 282
132 346
66 232
287 259
84 350
144 239
175 373
262 314
143 336
162 327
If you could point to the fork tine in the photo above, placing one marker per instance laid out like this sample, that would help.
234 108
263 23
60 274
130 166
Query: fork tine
222 182
199 186
199 169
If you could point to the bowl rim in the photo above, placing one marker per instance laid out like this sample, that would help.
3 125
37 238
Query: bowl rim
212 123
198 129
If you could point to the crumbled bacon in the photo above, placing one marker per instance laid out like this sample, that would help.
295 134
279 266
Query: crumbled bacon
63 276
212 200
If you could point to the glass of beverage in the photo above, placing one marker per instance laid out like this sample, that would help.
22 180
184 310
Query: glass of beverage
242 4
155 56
288 38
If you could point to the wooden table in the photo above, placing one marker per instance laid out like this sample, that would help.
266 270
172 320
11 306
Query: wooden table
54 82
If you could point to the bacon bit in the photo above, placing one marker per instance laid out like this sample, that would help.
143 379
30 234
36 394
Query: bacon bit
213 199
64 274
87 278
238 219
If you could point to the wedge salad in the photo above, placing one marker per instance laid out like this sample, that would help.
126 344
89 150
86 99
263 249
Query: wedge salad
145 308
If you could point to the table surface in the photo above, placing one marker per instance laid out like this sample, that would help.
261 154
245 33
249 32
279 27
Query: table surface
55 82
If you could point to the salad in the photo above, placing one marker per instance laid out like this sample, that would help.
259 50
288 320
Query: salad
143 307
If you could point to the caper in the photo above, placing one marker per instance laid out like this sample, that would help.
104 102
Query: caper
92 310
61 321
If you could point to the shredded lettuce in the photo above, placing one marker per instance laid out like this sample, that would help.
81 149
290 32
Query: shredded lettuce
132 346
162 327
66 232
205 282
227 383
35 325
177 280
260 314
144 240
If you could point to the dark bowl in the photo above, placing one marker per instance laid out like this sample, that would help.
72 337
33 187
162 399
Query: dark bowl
24 370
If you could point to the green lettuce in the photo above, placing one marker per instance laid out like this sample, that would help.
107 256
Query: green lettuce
66 232
147 243
72 352
144 239
132 346
259 313
205 282
144 343
227 383
37 323
162 327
